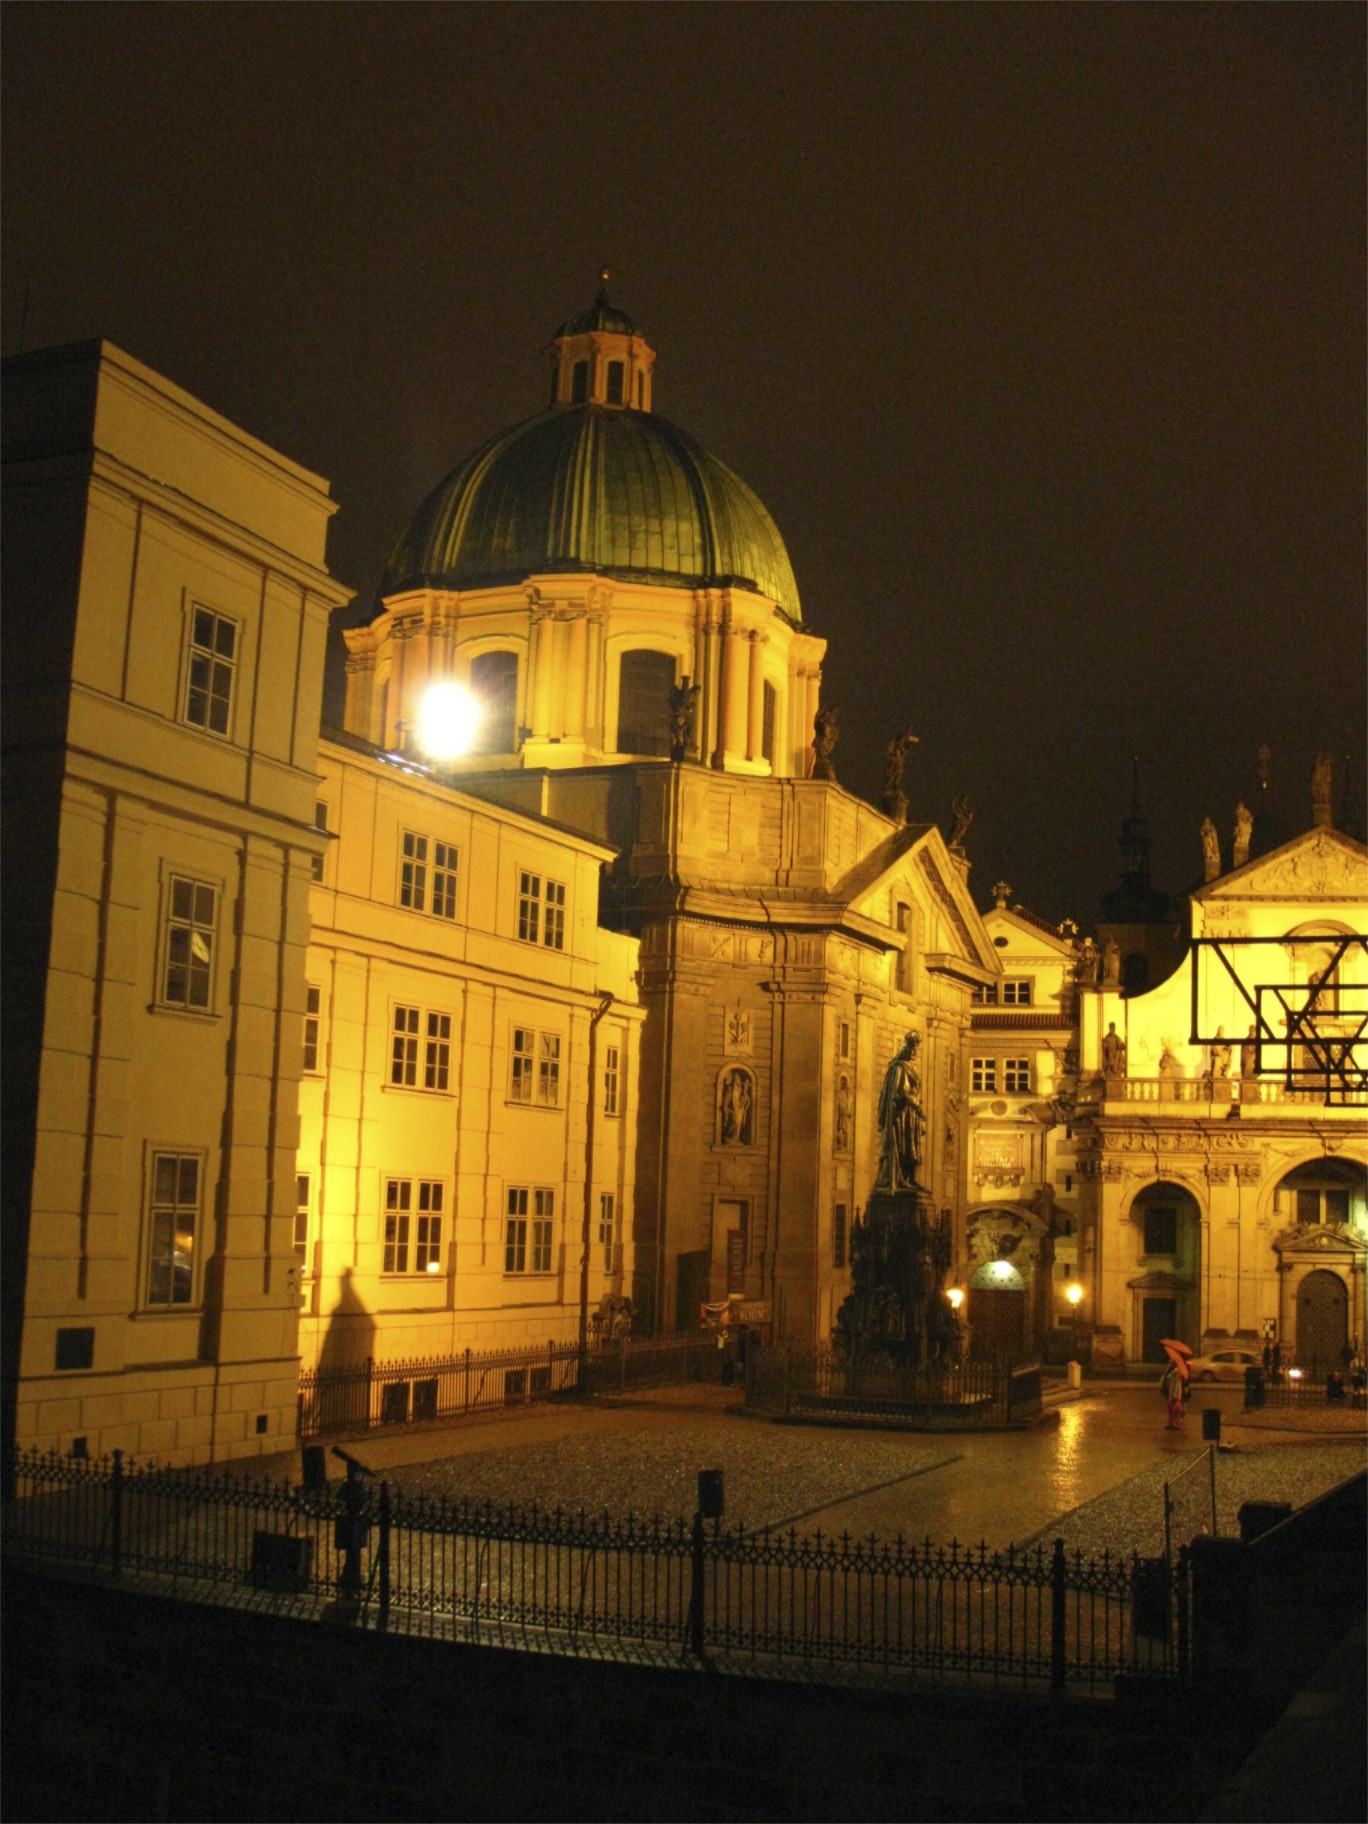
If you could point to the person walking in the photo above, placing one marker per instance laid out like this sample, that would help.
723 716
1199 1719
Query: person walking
1172 1384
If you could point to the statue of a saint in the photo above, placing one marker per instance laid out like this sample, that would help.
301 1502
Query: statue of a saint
1249 1056
1087 964
1322 778
1111 964
1244 830
1113 1053
683 702
902 1120
826 730
963 818
1211 851
845 1109
1220 1054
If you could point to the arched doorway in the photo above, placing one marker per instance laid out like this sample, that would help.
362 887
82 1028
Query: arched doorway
1322 1322
997 1310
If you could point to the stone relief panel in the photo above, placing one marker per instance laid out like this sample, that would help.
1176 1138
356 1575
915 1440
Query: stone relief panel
737 1039
999 1158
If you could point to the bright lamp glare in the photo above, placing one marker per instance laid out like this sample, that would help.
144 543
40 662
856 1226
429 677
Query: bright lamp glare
447 720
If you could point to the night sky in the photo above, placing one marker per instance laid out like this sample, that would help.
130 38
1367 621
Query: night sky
1039 330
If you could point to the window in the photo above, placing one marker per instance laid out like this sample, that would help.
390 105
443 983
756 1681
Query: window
612 1079
1017 994
413 868
301 1221
527 1238
412 1027
541 911
986 994
1016 1073
320 823
983 1075
1161 1231
313 1007
838 1236
845 1039
190 920
534 1075
427 875
174 1224
904 964
579 383
213 667
494 682
645 680
413 1226
607 1214
769 713
617 379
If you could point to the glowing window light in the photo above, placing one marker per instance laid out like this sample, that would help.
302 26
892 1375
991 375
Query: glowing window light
448 718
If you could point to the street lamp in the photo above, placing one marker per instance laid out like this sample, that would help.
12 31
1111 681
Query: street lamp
1073 1291
955 1296
448 718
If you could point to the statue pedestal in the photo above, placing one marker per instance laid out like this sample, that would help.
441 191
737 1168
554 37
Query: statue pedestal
900 1253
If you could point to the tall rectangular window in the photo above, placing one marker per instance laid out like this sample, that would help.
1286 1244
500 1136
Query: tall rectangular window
548 1071
905 959
320 823
553 928
427 1251
313 1009
413 871
1161 1231
212 671
612 1074
983 1075
437 1051
443 880
174 1223
607 1222
190 921
845 1039
529 907
522 1076
1016 1075
398 1214
528 1230
404 1047
301 1221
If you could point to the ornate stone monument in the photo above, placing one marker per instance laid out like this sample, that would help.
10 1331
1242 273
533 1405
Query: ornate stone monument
901 1250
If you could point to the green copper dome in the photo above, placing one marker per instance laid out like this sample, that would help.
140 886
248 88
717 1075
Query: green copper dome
591 487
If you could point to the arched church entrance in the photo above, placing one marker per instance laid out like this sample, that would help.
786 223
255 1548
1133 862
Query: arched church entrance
1322 1340
997 1310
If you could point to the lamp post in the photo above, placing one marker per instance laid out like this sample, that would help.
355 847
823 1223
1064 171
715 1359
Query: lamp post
955 1295
1073 1291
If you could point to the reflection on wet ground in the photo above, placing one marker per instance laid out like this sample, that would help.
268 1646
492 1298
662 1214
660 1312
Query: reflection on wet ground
1001 1488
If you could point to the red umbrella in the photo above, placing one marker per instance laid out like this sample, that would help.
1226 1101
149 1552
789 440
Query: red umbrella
1177 1353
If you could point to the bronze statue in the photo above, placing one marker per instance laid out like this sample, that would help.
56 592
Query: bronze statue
826 730
683 702
902 1120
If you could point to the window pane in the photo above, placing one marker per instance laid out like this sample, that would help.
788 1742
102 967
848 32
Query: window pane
645 680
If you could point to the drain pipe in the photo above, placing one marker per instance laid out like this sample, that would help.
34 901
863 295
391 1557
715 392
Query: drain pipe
605 1002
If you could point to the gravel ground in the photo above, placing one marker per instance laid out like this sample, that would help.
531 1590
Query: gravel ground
1130 1518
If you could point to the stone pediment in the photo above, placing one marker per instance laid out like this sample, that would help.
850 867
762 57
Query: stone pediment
1317 1239
1157 1282
923 845
1322 864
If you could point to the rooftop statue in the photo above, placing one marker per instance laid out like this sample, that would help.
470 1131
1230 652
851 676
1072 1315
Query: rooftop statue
826 730
1211 851
902 1121
683 703
1244 830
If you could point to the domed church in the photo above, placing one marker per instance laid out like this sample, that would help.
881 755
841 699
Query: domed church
622 606
577 568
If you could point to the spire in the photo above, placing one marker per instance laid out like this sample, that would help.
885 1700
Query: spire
1134 901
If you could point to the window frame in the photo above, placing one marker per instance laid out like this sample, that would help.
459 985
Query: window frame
312 1043
534 1067
607 1228
1016 1076
420 1057
612 1078
157 1206
983 1076
217 663
412 1218
192 923
529 1231
1018 992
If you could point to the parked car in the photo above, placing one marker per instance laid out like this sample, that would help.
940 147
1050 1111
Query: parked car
1224 1365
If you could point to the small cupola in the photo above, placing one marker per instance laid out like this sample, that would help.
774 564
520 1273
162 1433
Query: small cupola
599 359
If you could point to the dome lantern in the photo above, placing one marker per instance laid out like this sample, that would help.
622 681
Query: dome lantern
599 359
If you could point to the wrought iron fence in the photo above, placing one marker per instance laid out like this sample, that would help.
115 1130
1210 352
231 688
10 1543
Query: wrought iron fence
676 1591
337 1400
824 1385
1293 1387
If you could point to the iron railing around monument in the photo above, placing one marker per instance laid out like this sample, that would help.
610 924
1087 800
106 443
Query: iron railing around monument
672 1592
357 1397
825 1385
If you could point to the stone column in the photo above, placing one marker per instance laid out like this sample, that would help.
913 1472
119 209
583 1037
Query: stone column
734 693
755 721
576 677
544 633
356 715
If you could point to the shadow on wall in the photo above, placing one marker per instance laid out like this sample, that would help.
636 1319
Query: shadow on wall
350 1338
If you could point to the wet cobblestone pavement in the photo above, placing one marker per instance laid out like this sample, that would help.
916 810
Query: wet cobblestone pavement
1095 1479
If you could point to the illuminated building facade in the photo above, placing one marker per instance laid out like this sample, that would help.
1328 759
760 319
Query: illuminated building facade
167 607
1223 1180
